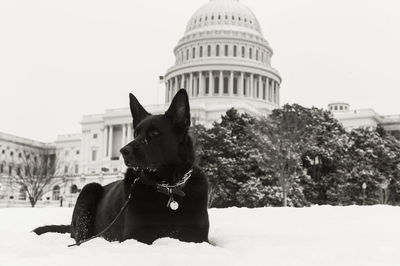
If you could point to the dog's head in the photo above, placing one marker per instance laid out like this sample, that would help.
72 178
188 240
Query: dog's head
161 143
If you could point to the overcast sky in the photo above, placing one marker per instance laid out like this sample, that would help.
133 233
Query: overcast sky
60 60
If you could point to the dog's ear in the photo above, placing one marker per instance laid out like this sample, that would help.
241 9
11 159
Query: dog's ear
179 110
137 110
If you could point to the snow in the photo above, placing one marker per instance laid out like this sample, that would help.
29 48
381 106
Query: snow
320 236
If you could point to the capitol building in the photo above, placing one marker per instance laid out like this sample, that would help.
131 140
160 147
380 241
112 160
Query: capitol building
222 60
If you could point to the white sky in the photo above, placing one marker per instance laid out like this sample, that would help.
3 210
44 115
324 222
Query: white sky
60 60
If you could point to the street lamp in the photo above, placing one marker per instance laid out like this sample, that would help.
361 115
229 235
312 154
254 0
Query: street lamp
364 187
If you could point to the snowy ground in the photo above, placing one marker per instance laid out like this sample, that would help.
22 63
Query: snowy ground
268 236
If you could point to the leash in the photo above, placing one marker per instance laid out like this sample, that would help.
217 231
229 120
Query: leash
113 222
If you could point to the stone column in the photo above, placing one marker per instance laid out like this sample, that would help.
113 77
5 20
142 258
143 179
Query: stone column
123 139
241 80
105 144
190 87
175 90
260 87
201 87
230 90
210 83
221 83
129 135
251 94
110 140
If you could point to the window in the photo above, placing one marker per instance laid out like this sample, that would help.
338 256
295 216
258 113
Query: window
257 55
244 86
250 53
234 51
216 84
73 189
257 89
56 193
262 56
94 155
235 85
10 170
207 85
341 107
335 107
226 50
19 171
264 90
22 194
77 152
201 51
1 168
193 52
243 51
95 135
209 50
226 84
187 54
217 50
66 169
19 155
11 153
76 168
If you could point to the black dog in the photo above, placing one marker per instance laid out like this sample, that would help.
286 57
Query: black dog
167 192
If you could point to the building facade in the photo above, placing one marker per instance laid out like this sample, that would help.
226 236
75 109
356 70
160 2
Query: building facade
223 61
365 118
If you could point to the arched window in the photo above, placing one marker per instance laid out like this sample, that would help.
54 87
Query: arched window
201 51
56 193
250 52
73 189
194 52
209 50
226 50
235 50
217 50
243 51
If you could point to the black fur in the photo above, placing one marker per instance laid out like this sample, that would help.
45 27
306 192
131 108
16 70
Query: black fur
162 151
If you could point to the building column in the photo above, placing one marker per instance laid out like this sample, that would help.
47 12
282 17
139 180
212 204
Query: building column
210 83
105 138
260 87
110 140
241 81
278 90
201 87
123 139
129 134
230 90
251 90
221 83
175 90
190 87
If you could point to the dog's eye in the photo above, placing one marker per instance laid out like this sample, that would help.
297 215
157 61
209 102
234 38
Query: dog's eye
153 134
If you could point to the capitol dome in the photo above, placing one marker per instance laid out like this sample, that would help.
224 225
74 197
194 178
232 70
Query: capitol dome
224 61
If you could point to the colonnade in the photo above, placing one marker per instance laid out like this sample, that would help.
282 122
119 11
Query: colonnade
224 83
108 137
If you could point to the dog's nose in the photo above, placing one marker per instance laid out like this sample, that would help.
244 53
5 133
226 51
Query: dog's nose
126 151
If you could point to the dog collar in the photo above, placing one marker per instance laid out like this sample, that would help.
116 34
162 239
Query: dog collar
170 190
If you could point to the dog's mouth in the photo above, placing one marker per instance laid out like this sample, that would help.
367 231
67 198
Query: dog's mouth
138 168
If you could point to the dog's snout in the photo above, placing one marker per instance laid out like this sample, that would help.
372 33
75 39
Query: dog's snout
126 151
